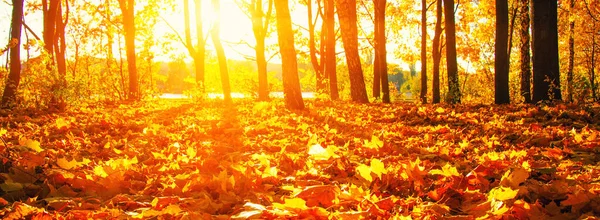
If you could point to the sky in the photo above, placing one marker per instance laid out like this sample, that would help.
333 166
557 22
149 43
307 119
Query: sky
236 27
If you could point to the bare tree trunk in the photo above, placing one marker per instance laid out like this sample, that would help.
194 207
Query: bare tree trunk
330 59
215 35
525 54
501 93
380 49
291 83
546 74
313 50
348 25
424 51
571 51
451 63
260 26
127 8
14 76
436 53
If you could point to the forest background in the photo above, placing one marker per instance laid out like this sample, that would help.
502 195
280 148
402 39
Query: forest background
95 50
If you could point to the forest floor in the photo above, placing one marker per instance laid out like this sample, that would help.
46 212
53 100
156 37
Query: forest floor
176 159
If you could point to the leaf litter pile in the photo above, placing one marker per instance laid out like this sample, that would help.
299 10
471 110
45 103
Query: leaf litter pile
175 159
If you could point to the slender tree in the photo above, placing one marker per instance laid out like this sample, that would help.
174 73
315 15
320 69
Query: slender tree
312 47
571 50
380 69
216 38
451 63
14 76
502 95
260 27
348 24
54 32
127 8
436 52
285 35
525 52
330 59
198 52
424 51
546 75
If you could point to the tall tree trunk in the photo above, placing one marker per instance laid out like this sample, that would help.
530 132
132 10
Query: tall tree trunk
330 59
348 25
260 26
215 35
525 53
285 36
196 53
14 76
436 53
50 14
593 67
502 95
571 51
200 45
127 8
60 41
423 51
313 50
546 75
380 49
451 63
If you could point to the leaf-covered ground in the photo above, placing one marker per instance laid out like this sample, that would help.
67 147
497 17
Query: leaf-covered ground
174 159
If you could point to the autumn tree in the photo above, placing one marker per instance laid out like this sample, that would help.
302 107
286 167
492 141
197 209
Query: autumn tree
329 61
423 51
502 95
54 31
289 64
317 66
14 76
196 52
571 51
216 39
127 8
525 52
436 52
380 70
348 25
451 63
546 75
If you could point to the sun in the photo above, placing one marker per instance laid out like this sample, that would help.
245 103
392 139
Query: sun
235 27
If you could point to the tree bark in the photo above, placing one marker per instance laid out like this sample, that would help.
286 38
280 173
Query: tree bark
436 53
525 53
451 63
330 59
260 26
380 49
571 51
320 79
546 75
285 36
127 8
423 51
215 35
502 95
348 25
14 76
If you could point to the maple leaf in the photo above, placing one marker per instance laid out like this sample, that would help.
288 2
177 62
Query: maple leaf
31 144
66 164
291 204
514 178
447 171
502 193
